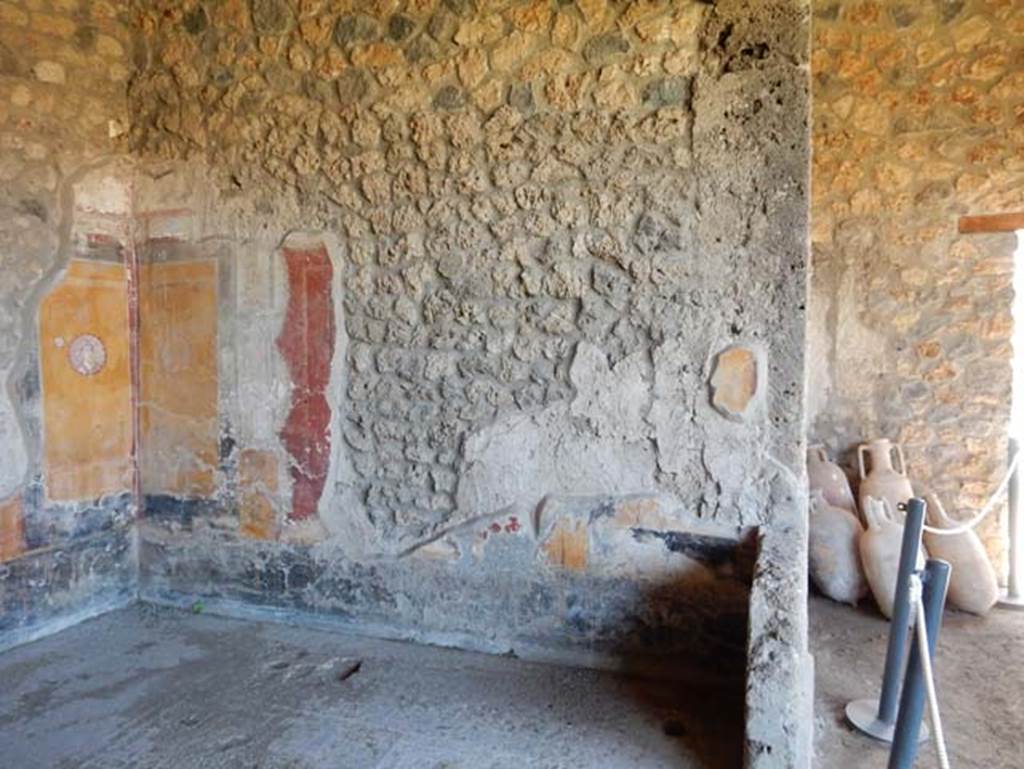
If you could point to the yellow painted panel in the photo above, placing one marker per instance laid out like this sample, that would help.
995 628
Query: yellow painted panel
86 390
12 534
178 377
567 546
257 478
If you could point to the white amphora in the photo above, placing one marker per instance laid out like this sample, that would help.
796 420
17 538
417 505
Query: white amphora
880 552
828 478
833 555
884 481
973 586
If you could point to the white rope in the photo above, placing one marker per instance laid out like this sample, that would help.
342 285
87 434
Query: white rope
989 506
921 634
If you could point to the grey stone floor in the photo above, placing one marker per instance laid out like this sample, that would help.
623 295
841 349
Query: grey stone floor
979 674
147 688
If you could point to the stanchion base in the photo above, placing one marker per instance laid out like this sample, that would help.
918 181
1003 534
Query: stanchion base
1006 601
863 714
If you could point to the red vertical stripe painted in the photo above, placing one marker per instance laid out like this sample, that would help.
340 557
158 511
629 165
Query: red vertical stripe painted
307 344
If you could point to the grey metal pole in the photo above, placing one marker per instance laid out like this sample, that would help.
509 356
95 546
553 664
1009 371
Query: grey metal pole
908 724
878 720
897 649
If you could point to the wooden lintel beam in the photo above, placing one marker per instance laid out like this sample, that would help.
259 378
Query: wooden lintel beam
993 222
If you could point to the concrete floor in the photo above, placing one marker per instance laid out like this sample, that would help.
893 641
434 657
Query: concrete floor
150 688
980 677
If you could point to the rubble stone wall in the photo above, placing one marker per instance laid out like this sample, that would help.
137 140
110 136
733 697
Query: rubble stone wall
549 224
918 119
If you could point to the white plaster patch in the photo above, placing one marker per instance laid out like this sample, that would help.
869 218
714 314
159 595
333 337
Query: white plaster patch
102 207
13 457
263 393
254 270
103 193
819 354
863 348
615 401
521 458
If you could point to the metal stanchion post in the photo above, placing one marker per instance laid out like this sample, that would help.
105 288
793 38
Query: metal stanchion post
878 719
1013 598
908 722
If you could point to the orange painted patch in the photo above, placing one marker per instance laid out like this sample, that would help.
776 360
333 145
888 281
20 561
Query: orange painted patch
734 383
12 531
257 469
567 545
86 393
257 518
257 480
642 513
178 377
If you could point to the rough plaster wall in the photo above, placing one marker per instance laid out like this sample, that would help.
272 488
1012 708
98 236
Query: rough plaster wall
525 194
547 222
63 73
918 119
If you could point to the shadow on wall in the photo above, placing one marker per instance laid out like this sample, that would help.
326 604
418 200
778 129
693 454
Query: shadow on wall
607 582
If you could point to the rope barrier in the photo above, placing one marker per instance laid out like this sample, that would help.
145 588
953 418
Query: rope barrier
926 668
989 506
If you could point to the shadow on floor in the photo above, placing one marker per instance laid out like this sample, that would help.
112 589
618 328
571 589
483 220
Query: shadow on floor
694 692
153 688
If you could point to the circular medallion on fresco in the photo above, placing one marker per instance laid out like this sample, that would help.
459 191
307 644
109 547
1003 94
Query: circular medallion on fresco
87 354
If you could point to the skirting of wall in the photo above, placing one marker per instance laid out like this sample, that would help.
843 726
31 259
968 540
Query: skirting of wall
50 590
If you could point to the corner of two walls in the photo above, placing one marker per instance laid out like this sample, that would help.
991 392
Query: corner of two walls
66 512
506 313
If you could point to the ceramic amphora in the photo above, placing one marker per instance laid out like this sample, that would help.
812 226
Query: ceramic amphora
880 552
828 477
885 481
833 555
973 586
